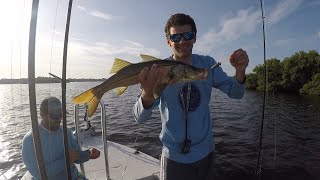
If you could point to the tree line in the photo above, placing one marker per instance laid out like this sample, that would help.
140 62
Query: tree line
41 79
299 73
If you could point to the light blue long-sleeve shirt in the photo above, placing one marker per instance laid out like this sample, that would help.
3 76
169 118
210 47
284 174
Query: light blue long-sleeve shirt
200 133
53 154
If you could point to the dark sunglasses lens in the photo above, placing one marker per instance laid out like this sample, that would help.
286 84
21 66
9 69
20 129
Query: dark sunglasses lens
175 37
188 36
55 116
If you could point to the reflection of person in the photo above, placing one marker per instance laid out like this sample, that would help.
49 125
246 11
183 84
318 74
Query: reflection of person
51 136
186 124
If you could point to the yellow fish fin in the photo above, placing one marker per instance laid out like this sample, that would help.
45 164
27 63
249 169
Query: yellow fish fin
119 64
90 98
148 57
120 90
84 97
93 104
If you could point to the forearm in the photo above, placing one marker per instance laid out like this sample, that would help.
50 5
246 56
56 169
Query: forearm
240 75
140 113
84 157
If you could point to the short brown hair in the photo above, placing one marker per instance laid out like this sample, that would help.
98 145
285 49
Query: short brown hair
180 19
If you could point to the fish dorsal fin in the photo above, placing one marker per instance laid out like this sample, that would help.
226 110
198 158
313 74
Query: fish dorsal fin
119 64
148 57
120 90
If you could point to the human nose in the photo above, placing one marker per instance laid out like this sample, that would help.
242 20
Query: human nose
182 40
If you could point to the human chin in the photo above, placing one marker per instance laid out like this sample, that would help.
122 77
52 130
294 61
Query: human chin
55 126
183 53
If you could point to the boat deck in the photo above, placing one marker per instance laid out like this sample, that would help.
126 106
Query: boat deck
124 163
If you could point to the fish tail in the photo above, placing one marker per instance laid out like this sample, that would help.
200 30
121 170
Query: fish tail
89 97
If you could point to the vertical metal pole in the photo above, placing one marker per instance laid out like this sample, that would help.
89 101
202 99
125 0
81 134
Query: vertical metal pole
76 122
32 90
64 70
104 139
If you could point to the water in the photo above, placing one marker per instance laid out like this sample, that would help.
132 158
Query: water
291 148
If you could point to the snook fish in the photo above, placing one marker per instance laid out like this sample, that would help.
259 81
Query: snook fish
126 74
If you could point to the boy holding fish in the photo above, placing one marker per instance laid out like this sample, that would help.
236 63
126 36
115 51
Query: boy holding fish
188 144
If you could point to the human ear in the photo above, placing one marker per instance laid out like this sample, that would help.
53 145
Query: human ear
168 41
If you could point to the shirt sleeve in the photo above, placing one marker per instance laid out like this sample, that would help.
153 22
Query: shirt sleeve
140 113
28 156
84 155
226 84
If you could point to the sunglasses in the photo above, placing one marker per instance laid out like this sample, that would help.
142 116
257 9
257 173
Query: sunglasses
187 36
55 116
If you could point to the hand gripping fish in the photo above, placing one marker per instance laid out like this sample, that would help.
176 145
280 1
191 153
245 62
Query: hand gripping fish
126 74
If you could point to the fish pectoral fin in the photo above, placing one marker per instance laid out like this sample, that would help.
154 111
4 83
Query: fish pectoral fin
118 64
120 90
146 58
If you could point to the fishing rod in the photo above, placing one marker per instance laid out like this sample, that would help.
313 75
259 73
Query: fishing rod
32 90
63 82
258 167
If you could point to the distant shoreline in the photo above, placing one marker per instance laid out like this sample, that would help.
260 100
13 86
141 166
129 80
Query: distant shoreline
40 80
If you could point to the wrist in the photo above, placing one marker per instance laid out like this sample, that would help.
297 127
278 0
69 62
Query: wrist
147 100
241 76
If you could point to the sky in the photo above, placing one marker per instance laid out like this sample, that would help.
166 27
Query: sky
102 30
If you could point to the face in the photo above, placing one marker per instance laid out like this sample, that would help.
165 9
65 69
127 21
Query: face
182 50
52 121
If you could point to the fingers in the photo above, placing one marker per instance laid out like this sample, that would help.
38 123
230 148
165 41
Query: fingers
238 54
239 57
143 75
148 78
158 76
153 73
94 153
148 74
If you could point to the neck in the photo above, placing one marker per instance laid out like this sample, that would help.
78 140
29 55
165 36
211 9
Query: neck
44 126
187 60
47 127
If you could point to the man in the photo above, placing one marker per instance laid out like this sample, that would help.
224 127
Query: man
51 136
186 124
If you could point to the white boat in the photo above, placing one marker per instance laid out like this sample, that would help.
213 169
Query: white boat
124 163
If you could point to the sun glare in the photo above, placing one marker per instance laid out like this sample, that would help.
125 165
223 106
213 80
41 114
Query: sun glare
13 18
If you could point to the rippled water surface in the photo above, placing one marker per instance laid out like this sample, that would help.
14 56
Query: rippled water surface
291 136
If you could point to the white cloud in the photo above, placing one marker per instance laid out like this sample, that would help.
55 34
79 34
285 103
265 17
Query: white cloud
244 22
319 34
85 58
125 48
282 10
97 57
95 13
